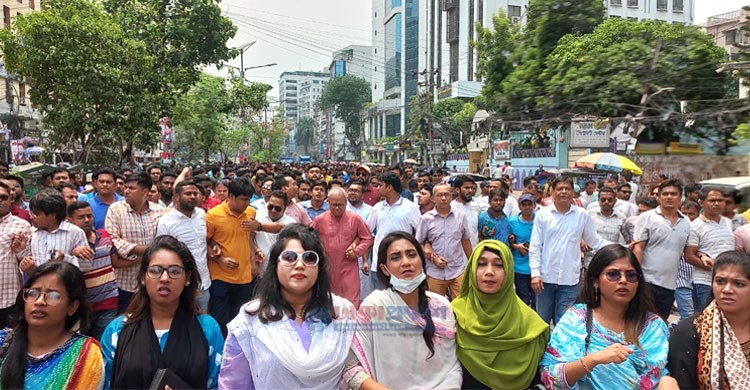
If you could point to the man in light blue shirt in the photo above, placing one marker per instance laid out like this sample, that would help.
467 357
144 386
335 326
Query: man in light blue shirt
555 250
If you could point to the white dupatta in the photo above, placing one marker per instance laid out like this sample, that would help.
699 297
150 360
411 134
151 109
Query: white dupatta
390 347
320 367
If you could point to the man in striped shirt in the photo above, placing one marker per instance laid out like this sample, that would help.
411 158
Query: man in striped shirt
54 238
100 279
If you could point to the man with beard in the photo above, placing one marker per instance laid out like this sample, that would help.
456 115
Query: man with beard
371 194
155 172
339 229
166 185
471 206
132 225
314 173
304 191
101 286
356 204
15 186
187 223
287 184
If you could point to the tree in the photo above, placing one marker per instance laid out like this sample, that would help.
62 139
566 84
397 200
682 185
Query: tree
304 135
87 78
268 139
513 61
347 95
607 72
200 117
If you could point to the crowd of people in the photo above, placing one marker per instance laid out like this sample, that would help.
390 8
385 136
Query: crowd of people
274 276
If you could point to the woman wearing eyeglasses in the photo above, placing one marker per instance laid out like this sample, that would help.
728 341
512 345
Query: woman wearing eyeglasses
162 327
43 351
295 333
612 340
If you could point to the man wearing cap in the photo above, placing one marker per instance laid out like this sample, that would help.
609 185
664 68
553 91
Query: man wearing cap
371 195
520 229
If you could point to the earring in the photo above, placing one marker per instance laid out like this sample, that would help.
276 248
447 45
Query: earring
187 284
143 283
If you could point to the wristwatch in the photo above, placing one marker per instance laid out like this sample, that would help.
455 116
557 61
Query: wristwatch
260 227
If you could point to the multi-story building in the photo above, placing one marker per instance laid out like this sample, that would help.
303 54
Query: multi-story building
672 11
727 30
20 123
298 92
396 52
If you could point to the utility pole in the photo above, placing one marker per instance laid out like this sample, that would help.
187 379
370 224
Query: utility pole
426 101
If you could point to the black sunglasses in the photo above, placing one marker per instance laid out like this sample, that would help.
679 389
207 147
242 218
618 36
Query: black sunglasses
274 208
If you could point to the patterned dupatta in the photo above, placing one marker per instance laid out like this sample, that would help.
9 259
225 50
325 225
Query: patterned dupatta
77 364
721 363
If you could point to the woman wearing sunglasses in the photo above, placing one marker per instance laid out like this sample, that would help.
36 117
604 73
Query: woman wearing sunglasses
162 327
43 351
612 340
406 335
295 333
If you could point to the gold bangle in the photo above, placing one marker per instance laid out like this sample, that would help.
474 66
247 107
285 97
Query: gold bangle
584 365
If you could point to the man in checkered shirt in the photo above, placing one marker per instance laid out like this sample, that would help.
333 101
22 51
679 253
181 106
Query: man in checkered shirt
15 234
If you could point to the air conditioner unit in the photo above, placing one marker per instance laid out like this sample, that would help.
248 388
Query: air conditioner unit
515 19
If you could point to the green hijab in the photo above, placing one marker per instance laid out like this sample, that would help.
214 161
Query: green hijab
500 339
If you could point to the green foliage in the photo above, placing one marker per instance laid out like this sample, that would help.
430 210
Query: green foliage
496 47
550 20
305 135
87 77
200 117
248 98
267 139
104 72
347 95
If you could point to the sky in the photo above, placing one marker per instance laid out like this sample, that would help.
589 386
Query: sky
303 34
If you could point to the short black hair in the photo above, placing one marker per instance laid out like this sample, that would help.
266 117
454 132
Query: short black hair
281 195
459 181
142 179
81 204
4 164
527 180
672 183
391 179
497 192
69 186
319 183
240 187
49 201
59 170
184 183
606 190
649 202
104 171
692 187
19 179
423 173
167 174
621 186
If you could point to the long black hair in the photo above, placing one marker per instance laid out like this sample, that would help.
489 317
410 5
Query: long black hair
272 304
14 366
424 305
141 302
641 304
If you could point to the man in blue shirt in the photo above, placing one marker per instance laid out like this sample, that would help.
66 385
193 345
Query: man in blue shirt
493 224
103 196
520 227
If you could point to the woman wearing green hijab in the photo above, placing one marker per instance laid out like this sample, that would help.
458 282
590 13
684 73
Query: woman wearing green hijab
500 339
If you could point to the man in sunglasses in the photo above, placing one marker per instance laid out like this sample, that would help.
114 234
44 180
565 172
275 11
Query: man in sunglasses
273 219
371 194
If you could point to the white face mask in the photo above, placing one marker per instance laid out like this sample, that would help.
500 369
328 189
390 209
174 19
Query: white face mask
405 286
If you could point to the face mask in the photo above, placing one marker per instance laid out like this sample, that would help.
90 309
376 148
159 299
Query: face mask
405 286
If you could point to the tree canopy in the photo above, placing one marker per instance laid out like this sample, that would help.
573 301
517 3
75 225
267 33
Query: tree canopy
346 96
104 72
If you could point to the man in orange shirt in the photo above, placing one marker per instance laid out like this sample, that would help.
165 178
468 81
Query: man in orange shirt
231 228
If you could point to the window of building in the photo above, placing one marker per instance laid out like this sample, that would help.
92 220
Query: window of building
632 3
20 1
661 5
31 4
514 12
633 18
6 16
615 2
22 94
678 5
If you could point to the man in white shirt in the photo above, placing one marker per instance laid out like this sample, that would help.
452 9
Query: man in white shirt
555 251
187 223
393 213
470 205
272 213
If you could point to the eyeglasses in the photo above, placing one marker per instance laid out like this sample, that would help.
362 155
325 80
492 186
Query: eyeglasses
361 173
51 298
274 208
173 271
265 187
4 197
309 258
615 276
